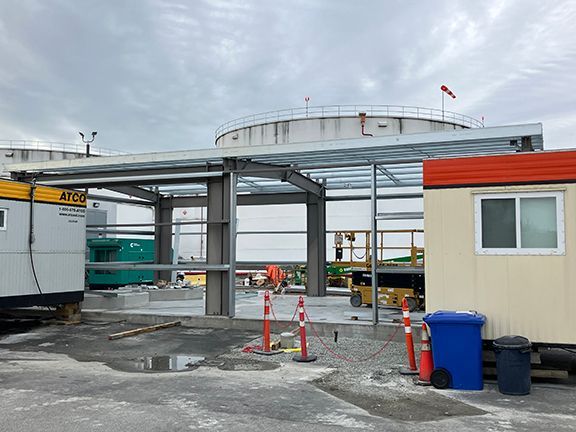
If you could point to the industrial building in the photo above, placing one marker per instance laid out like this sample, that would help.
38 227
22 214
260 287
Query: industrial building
307 173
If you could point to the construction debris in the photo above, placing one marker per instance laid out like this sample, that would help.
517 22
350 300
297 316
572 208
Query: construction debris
141 330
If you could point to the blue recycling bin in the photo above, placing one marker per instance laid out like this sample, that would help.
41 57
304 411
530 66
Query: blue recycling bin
456 349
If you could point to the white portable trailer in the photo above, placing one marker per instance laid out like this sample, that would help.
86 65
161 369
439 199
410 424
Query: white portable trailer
42 245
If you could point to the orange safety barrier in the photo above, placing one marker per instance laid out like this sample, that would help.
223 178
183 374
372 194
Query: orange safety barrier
412 369
303 356
426 360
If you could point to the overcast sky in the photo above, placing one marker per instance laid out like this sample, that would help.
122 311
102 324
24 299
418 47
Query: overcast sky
152 75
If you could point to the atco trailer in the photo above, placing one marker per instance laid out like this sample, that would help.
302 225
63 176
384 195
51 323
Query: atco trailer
42 243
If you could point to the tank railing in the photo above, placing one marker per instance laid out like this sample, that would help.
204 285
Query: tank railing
348 111
56 147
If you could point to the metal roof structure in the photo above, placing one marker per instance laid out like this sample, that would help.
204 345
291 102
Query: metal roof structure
309 173
333 165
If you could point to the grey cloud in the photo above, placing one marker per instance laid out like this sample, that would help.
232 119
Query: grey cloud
154 75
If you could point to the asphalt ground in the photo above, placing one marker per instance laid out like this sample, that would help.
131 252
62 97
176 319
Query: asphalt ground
72 378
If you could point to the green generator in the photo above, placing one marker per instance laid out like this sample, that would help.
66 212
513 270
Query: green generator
119 249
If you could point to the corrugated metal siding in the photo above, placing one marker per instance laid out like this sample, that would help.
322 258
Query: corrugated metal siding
530 295
520 168
58 249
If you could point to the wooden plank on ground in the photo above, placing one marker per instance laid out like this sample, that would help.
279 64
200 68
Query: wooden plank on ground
141 330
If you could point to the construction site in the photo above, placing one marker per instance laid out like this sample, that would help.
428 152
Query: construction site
321 268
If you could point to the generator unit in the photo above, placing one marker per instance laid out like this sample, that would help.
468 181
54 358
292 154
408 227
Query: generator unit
119 250
42 245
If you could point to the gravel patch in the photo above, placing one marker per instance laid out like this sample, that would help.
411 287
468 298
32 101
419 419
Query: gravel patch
373 384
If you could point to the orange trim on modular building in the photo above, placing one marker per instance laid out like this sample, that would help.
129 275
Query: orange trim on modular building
509 169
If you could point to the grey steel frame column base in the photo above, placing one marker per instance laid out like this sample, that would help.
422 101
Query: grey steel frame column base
163 237
316 245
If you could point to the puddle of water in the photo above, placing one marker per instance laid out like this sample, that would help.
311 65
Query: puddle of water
169 363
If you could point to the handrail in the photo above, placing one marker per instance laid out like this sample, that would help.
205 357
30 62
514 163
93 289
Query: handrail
365 249
348 111
56 147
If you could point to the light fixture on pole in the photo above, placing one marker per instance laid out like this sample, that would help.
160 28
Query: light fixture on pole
307 99
449 93
87 142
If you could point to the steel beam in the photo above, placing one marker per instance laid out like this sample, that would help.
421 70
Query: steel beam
121 173
117 231
244 199
408 195
119 200
400 216
254 169
163 236
199 266
136 192
316 250
129 180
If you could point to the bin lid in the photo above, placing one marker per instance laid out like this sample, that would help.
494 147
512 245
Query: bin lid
455 317
512 342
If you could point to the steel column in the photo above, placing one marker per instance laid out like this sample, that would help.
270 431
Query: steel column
233 181
221 249
374 245
163 236
316 250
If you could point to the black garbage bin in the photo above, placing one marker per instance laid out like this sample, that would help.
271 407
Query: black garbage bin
513 364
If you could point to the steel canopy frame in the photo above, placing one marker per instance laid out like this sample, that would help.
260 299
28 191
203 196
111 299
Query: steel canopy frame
281 174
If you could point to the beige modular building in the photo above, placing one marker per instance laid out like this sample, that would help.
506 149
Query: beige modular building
501 240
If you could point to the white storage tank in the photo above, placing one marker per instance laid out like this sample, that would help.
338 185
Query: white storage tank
21 151
322 123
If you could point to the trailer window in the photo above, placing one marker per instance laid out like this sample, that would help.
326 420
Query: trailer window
520 223
3 217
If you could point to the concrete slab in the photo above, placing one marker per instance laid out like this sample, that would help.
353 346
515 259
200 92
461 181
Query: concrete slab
327 314
121 300
176 294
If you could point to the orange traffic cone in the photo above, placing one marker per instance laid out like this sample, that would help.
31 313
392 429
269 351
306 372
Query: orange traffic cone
426 361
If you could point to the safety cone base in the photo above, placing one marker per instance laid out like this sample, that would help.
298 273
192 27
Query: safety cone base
268 353
420 382
300 359
408 371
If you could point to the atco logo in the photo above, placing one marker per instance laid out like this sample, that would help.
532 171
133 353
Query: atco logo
74 197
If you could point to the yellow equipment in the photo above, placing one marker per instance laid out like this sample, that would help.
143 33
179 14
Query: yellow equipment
393 286
386 296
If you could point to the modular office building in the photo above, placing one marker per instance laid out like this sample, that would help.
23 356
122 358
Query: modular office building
501 239
42 245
